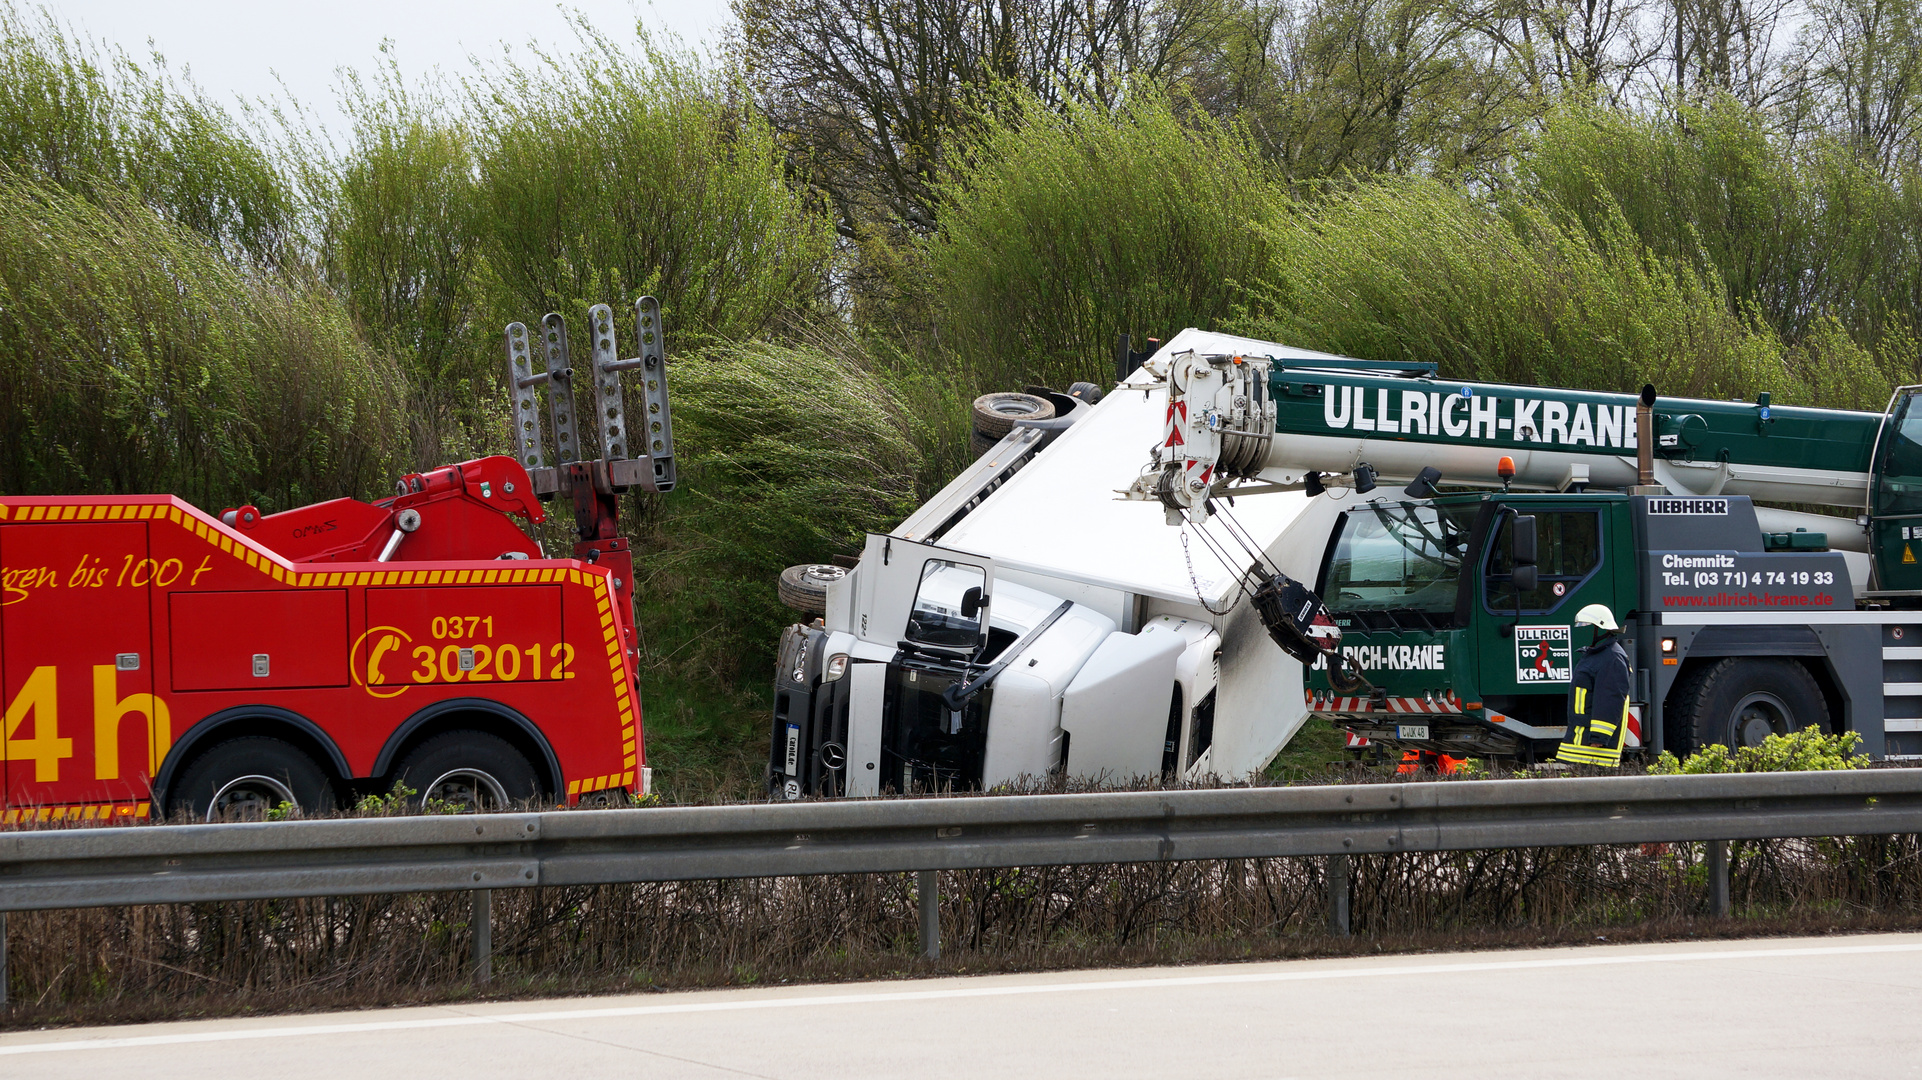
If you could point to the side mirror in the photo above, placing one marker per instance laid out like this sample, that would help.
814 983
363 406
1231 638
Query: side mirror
1423 486
971 602
1523 545
1524 552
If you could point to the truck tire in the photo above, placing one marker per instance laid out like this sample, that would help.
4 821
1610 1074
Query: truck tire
471 770
995 414
1086 391
805 588
980 444
250 779
1741 701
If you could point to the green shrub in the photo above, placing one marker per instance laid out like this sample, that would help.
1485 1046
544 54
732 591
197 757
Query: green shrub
1808 750
609 173
1416 270
789 455
137 360
93 120
1799 231
1066 228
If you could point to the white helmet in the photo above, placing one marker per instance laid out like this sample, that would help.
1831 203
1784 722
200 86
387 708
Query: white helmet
1597 615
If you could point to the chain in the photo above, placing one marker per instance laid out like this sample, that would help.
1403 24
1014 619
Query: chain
1195 582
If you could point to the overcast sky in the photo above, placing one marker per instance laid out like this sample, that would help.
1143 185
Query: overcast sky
235 48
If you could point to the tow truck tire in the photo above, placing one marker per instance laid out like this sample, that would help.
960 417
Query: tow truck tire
995 414
246 778
805 588
469 769
1741 701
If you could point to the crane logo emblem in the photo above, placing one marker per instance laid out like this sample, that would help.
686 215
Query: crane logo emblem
1542 654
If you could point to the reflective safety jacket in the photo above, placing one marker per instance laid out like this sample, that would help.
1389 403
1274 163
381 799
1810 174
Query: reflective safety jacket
1597 706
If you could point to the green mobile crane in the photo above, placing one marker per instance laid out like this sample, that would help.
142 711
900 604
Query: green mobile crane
1442 615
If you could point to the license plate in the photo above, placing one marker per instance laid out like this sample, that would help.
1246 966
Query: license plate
1411 731
793 763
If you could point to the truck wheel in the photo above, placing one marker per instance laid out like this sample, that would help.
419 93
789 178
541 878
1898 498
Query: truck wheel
980 444
995 414
1742 701
1085 391
471 770
805 588
251 779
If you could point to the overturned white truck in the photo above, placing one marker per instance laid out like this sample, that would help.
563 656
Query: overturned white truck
1026 623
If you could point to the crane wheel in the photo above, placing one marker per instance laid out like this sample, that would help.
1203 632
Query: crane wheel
805 588
1741 701
995 414
468 770
252 778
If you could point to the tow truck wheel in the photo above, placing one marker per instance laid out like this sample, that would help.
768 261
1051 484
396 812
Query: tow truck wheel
805 588
1742 701
469 770
995 414
251 779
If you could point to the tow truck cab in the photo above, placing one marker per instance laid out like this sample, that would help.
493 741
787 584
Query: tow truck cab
1424 594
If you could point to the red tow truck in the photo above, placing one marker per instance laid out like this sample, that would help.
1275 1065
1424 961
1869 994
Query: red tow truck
159 660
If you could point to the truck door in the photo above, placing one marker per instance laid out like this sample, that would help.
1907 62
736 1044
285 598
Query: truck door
76 659
936 601
1526 665
1895 495
915 592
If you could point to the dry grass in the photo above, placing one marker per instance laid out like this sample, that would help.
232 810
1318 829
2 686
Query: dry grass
164 962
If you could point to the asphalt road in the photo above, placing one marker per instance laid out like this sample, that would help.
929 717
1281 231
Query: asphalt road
1777 1007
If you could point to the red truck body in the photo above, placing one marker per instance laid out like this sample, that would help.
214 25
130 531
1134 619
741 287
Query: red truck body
139 633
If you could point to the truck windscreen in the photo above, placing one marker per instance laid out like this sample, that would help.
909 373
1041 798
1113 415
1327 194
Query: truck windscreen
1398 557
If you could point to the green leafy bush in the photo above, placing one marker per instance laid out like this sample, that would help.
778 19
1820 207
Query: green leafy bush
613 173
92 120
790 454
136 359
1420 271
1065 228
1808 750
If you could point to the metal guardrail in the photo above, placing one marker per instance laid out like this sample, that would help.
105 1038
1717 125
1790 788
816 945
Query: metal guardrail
65 868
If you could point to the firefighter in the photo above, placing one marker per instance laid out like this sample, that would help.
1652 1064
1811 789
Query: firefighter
1598 695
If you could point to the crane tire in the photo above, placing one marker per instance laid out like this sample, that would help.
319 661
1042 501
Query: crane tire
1739 701
246 778
995 414
805 588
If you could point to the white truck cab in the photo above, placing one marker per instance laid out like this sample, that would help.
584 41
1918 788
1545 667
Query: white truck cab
1025 624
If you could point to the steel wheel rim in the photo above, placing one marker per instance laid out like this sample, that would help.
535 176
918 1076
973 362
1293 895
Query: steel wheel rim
1757 716
250 794
468 789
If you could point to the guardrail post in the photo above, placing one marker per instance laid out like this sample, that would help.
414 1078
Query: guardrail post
1718 878
1338 894
482 923
3 959
928 888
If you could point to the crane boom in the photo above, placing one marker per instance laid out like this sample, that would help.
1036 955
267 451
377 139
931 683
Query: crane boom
1244 417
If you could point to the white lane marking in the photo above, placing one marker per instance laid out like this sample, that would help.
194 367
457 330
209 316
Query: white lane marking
1004 990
